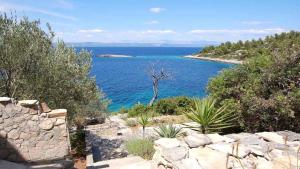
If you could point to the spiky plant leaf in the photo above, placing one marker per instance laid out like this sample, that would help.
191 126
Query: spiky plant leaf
210 118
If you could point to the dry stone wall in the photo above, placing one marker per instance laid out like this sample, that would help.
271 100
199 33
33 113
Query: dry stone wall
31 132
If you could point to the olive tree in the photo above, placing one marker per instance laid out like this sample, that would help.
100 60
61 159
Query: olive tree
33 67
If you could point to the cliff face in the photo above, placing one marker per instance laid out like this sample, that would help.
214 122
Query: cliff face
31 132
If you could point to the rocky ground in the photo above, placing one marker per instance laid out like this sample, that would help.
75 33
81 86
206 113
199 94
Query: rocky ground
277 150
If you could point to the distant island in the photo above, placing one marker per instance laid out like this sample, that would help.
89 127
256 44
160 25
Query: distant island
114 56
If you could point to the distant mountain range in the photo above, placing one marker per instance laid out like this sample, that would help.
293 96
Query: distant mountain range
99 44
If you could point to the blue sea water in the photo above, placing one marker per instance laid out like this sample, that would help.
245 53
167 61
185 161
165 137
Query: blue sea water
125 81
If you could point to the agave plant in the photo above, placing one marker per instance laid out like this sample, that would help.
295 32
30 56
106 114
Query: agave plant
210 118
168 131
144 121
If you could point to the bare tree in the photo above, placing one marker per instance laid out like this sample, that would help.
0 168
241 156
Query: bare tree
156 75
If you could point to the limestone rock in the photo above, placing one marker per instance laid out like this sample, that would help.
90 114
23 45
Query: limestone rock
216 138
208 158
175 154
57 113
167 143
13 134
188 163
60 121
46 125
271 136
231 149
5 99
197 140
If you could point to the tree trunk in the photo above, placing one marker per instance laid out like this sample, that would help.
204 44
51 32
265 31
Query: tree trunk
155 92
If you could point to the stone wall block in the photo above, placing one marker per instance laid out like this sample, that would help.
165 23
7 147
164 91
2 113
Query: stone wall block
13 134
46 125
27 135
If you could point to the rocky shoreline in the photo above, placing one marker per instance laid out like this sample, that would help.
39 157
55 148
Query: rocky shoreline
233 61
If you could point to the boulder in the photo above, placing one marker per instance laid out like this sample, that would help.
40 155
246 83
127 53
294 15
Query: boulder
197 140
208 158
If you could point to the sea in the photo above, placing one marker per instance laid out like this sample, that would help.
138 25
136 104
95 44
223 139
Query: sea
126 81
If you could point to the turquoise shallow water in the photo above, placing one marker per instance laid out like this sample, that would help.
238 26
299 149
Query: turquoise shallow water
125 80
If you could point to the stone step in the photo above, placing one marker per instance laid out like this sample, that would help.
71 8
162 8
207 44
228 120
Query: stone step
135 162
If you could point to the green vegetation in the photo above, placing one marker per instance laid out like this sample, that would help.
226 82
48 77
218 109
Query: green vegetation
140 147
168 131
168 106
210 118
77 140
249 49
264 93
32 67
144 121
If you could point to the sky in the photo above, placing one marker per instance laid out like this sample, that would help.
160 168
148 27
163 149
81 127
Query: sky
160 21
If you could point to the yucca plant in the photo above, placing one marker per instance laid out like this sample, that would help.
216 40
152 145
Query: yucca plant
210 118
144 121
168 131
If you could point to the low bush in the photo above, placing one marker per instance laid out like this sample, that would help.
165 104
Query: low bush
77 140
138 109
175 105
165 106
131 122
140 147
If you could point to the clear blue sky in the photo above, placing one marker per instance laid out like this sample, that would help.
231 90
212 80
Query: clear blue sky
174 21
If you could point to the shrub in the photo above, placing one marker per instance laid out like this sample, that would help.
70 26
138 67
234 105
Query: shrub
131 122
77 140
140 147
123 110
165 106
168 131
209 117
175 105
263 92
137 110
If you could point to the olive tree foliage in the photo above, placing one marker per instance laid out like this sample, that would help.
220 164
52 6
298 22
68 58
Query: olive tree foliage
32 67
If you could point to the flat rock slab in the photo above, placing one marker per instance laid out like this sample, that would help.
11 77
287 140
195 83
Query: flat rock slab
291 136
5 99
231 149
188 163
208 158
197 140
27 102
271 136
167 143
216 138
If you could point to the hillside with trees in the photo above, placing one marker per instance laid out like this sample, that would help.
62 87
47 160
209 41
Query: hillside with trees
264 92
242 50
